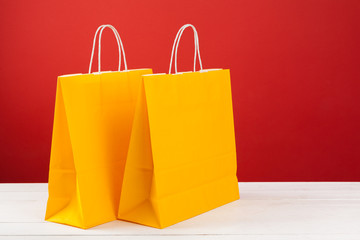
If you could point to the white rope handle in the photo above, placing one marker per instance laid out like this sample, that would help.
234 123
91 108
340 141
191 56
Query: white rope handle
176 45
93 48
119 43
196 43
118 39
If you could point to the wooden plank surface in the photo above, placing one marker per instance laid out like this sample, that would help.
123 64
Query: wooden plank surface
321 210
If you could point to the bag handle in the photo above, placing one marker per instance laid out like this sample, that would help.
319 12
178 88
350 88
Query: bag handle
119 43
176 46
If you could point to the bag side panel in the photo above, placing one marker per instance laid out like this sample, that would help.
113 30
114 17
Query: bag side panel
63 205
136 201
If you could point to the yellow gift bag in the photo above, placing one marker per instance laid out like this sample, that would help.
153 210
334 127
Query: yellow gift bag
92 126
182 159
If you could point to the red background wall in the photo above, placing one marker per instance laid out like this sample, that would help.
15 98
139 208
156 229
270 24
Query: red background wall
294 66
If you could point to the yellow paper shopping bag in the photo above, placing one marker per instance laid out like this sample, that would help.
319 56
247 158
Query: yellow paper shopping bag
182 158
92 125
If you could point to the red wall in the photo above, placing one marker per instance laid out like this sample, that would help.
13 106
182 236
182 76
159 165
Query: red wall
295 69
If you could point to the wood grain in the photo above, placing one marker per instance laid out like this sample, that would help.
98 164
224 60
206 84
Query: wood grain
320 210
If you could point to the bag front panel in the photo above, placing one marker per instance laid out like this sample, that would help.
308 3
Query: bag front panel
99 110
193 142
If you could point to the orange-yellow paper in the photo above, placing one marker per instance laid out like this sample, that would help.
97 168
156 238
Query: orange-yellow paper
182 158
91 132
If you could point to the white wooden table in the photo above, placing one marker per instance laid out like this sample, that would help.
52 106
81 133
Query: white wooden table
265 211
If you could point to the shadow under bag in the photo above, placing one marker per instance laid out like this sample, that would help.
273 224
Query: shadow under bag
92 126
182 156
